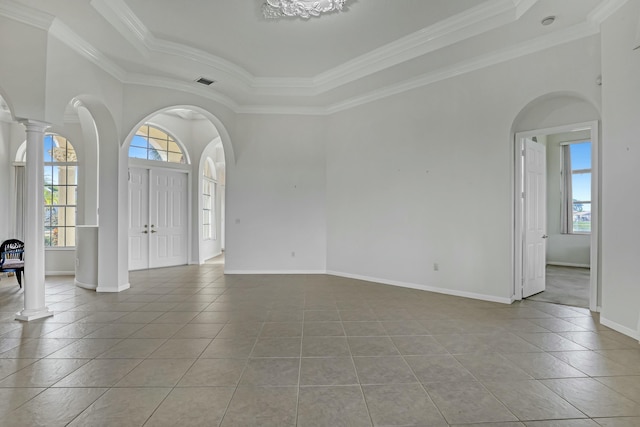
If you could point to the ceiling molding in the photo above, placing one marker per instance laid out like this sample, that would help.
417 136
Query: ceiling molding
441 34
523 6
67 36
461 26
190 87
570 34
125 21
26 15
282 109
605 10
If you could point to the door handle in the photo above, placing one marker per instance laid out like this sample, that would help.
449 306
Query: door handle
153 231
145 232
545 236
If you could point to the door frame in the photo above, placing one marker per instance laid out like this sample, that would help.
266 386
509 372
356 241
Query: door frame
518 228
152 165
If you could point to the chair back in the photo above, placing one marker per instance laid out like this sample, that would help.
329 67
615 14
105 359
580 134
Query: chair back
12 249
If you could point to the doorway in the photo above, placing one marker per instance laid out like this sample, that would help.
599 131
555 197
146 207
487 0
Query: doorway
158 218
564 234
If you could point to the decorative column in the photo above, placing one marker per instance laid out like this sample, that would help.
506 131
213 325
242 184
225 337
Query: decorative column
34 307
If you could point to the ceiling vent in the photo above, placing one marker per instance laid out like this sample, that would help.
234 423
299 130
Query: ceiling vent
205 81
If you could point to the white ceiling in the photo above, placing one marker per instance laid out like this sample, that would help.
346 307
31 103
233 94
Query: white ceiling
375 48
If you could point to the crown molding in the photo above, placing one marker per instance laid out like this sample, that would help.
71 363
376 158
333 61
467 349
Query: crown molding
282 109
162 82
459 27
523 6
26 15
566 35
605 10
125 21
67 36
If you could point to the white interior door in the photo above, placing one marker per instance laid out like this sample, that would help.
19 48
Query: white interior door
138 218
168 225
535 218
158 223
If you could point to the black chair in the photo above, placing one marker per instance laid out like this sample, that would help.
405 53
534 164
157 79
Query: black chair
12 258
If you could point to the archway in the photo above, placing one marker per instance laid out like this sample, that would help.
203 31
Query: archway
199 135
547 238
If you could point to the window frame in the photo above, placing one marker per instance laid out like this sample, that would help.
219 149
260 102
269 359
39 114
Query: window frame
574 172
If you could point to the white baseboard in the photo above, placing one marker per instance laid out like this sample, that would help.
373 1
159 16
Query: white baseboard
85 285
60 273
275 272
618 327
568 264
445 291
117 288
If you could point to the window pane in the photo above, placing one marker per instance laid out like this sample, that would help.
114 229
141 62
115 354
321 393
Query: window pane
139 141
55 175
48 147
175 158
582 217
581 186
159 144
72 175
581 156
137 152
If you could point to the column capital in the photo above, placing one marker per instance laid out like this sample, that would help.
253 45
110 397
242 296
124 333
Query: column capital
34 125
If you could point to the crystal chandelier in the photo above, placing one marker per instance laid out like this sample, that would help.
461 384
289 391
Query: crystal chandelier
302 8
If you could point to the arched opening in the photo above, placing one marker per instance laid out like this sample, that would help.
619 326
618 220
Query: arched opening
556 201
175 211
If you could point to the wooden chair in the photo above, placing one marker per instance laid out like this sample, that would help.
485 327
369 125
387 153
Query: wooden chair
12 258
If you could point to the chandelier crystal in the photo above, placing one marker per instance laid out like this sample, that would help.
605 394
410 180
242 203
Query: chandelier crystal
274 9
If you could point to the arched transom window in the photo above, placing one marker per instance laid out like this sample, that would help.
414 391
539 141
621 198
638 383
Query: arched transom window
151 143
60 191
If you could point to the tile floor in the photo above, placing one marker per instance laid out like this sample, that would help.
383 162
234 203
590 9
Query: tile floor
189 346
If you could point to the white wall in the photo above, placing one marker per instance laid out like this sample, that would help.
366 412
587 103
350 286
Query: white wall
620 178
562 249
426 176
276 195
6 172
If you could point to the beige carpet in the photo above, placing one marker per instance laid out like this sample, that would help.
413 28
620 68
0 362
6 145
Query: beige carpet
565 285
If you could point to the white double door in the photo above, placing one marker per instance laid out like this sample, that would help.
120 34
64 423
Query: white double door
158 224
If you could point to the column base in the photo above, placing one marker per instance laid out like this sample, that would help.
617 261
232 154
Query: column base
85 285
28 315
117 288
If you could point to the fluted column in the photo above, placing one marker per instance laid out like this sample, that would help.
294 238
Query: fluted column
34 305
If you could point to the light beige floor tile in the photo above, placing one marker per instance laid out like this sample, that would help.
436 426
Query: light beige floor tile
467 402
281 329
596 341
197 406
372 346
491 367
131 348
36 348
552 342
619 422
213 372
86 348
328 371
628 386
99 373
122 407
321 315
42 373
156 373
229 348
530 400
562 423
407 327
364 329
12 398
271 371
10 366
325 347
332 406
543 366
199 330
436 368
53 407
157 330
262 406
401 405
190 348
594 364
277 347
124 330
323 329
383 370
593 398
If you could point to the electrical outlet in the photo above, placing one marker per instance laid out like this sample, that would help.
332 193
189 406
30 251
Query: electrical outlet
293 254
436 266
